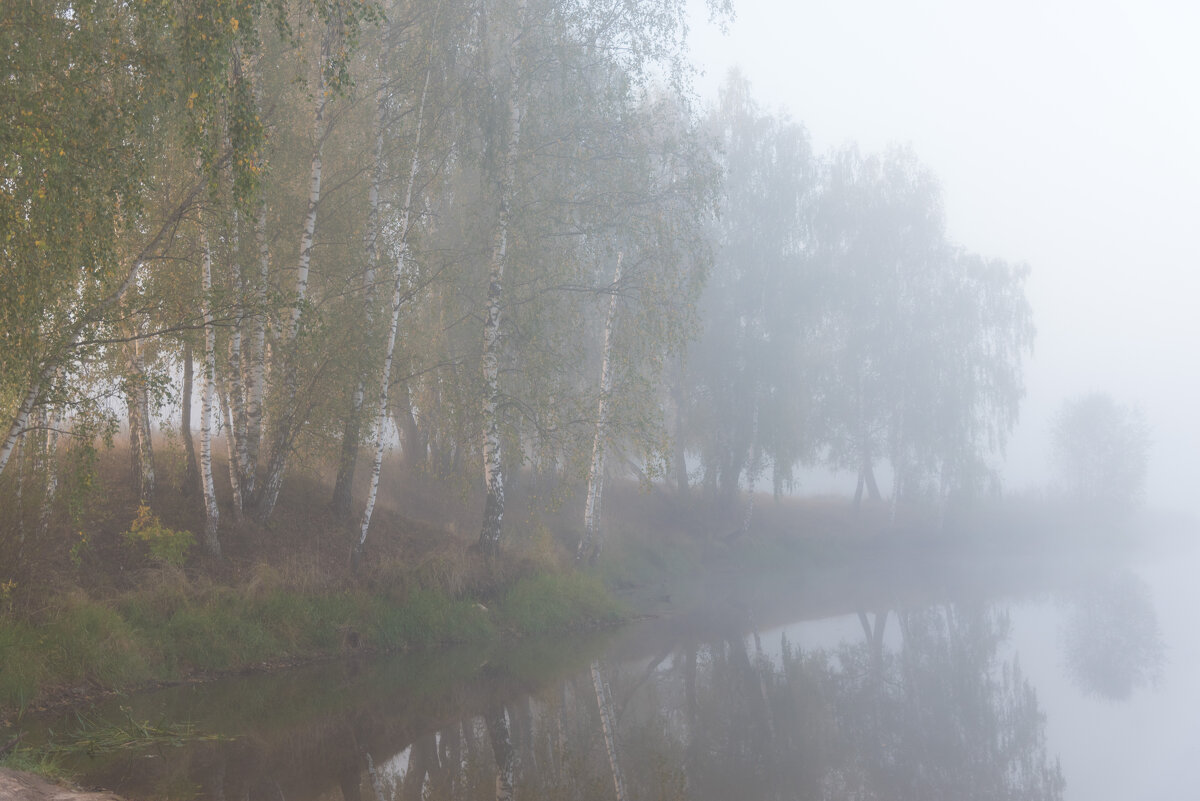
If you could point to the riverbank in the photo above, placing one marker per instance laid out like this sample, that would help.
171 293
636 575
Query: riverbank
175 630
16 785
119 618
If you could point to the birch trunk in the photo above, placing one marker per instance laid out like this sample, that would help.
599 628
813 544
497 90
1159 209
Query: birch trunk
500 735
609 727
133 418
493 471
51 472
285 425
226 413
141 449
400 279
257 373
211 512
589 545
349 457
17 427
190 472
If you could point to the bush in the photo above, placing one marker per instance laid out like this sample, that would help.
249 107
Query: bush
166 545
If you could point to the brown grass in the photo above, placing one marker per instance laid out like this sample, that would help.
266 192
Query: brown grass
421 534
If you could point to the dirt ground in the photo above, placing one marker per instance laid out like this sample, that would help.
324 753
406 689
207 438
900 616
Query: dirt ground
16 785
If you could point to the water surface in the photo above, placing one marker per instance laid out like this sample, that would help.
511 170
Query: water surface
1071 678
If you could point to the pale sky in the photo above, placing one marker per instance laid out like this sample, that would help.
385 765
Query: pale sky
1066 135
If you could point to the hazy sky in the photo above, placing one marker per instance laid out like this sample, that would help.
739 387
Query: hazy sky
1065 135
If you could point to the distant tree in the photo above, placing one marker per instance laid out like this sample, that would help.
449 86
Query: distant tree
1112 641
1100 449
744 392
920 344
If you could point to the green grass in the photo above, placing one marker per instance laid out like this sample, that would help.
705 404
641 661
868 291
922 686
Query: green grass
39 761
557 602
166 631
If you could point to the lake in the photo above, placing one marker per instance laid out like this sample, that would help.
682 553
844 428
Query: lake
1070 677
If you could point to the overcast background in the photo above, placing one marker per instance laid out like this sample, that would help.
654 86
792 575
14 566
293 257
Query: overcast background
1065 136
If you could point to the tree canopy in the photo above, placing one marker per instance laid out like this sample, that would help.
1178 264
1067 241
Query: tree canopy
499 235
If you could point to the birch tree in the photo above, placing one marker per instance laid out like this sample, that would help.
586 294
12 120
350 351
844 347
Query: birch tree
504 72
590 543
212 513
399 285
340 23
743 388
285 426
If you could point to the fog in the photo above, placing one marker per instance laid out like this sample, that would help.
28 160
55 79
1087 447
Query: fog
1064 138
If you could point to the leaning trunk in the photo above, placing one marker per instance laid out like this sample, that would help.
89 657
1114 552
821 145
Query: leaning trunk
348 460
17 427
400 279
285 423
608 726
589 545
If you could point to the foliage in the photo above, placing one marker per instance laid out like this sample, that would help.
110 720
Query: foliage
797 308
841 326
165 544
170 629
1101 448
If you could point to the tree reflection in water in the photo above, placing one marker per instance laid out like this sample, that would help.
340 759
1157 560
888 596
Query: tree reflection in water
1111 638
941 714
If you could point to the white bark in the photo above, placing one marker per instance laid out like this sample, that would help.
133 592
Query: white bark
400 280
256 372
589 545
608 725
493 474
142 449
284 428
349 457
226 416
19 423
53 422
235 395
212 513
310 215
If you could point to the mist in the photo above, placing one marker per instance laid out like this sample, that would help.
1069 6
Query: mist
1062 138
609 399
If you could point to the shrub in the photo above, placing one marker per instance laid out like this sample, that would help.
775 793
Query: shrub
165 544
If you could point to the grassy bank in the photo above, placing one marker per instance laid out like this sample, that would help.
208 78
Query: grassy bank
83 615
174 629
